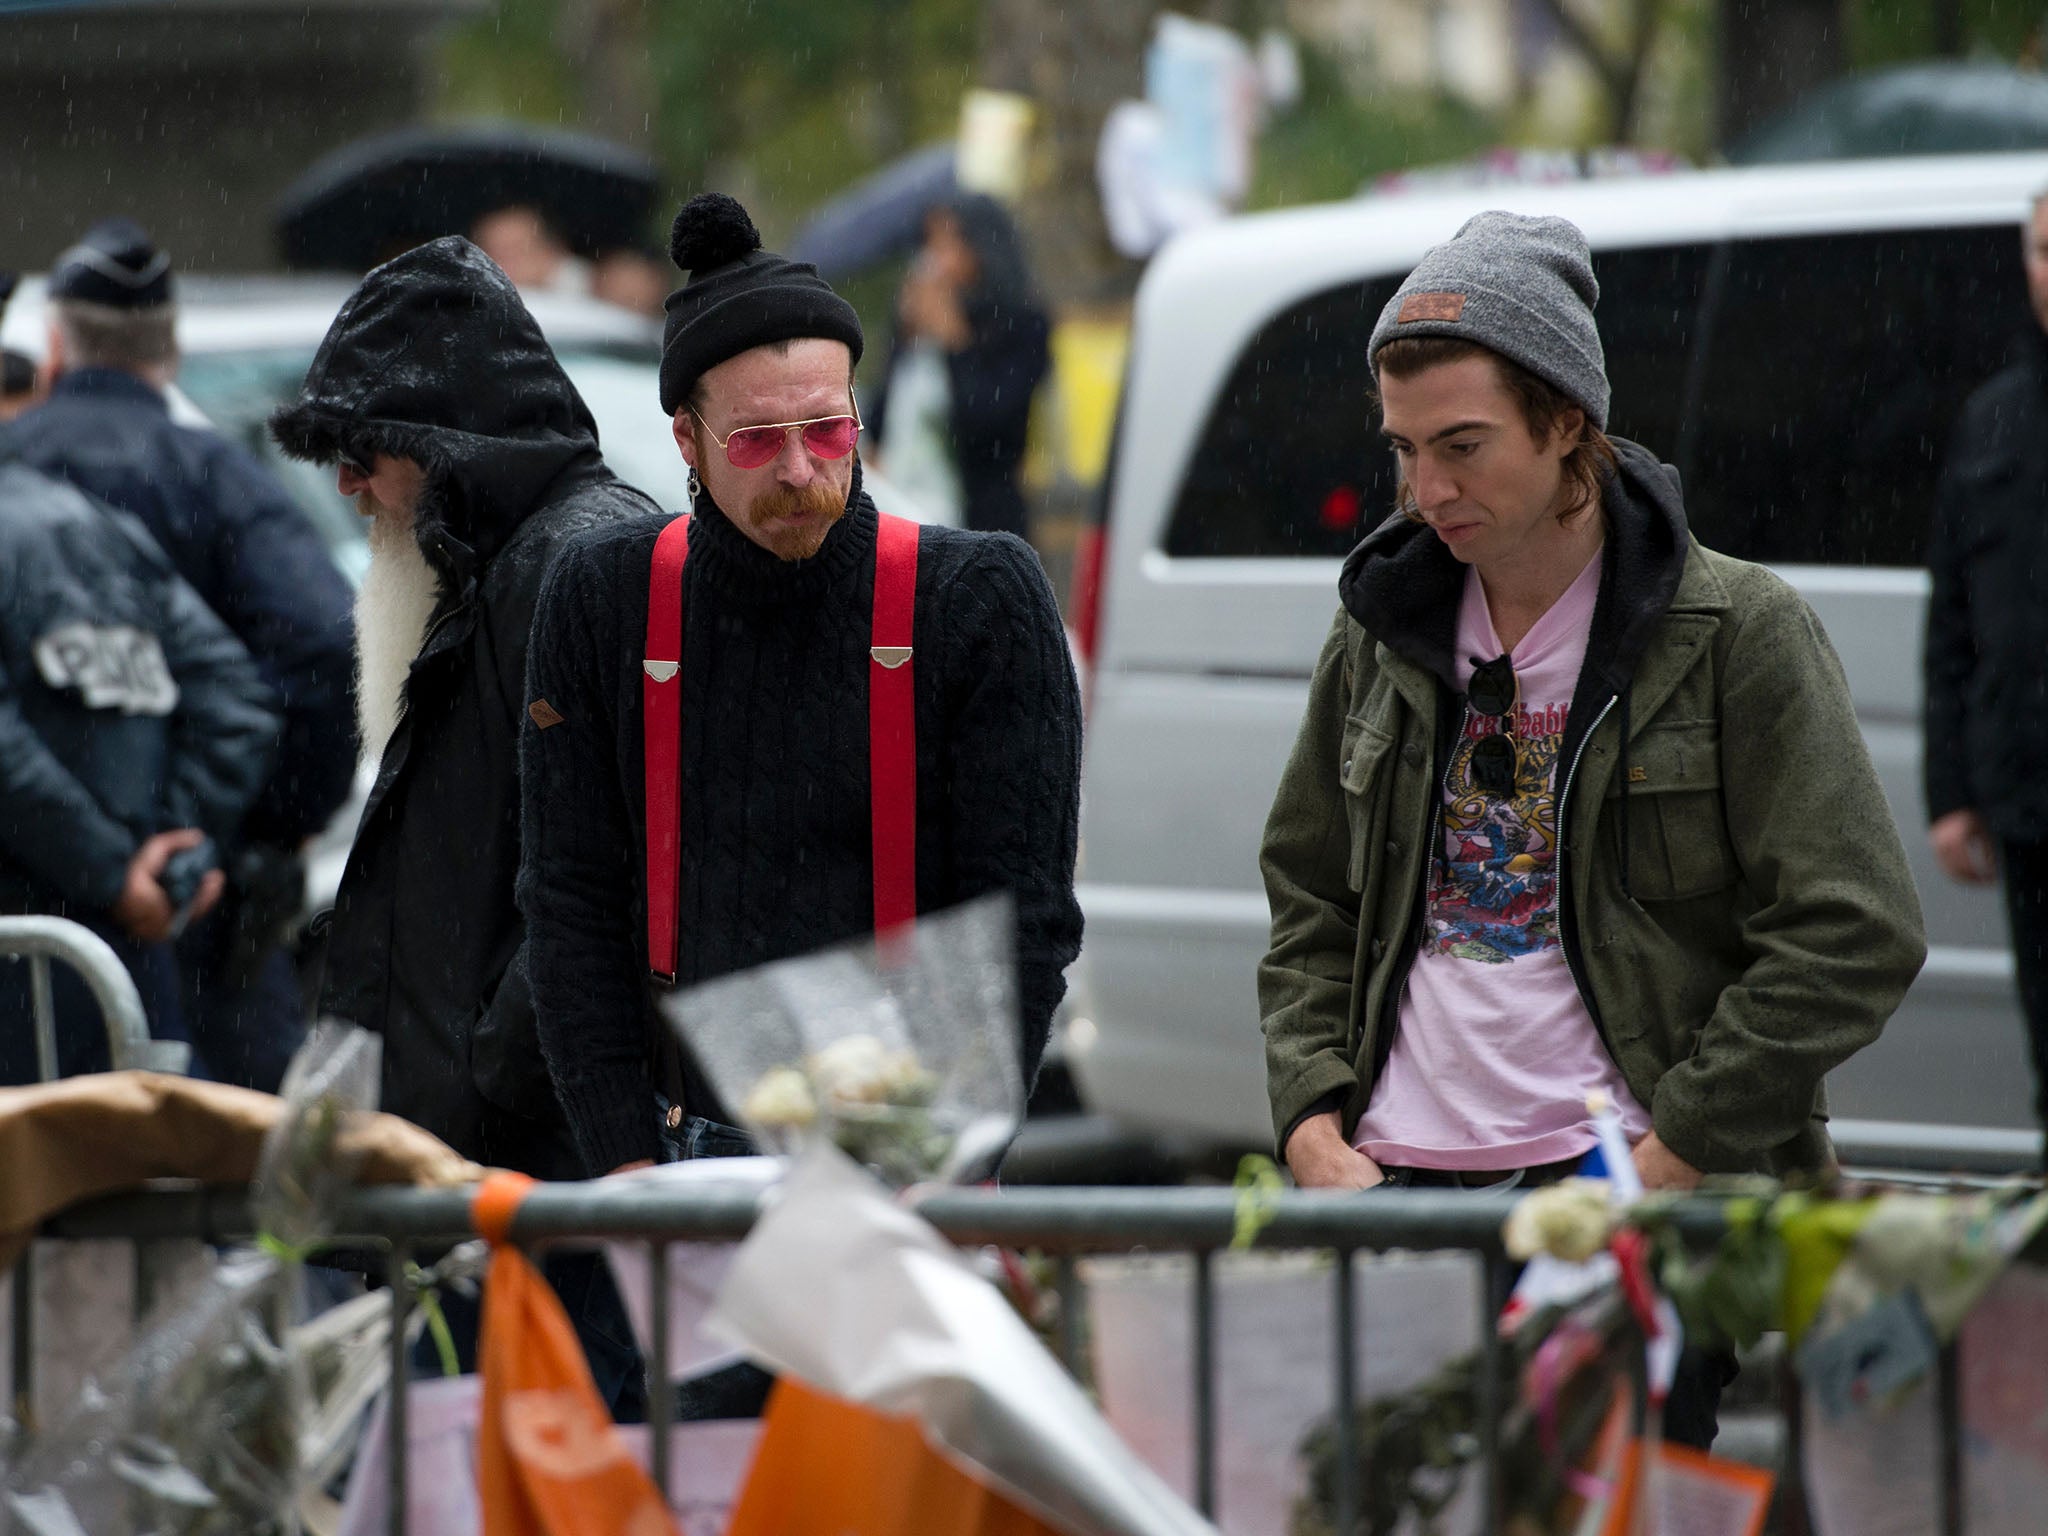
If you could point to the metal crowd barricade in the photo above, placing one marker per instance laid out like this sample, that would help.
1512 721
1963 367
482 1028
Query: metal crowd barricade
38 941
1066 1224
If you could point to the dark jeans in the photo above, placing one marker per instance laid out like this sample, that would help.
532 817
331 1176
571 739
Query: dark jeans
2025 867
740 1390
245 1027
1692 1413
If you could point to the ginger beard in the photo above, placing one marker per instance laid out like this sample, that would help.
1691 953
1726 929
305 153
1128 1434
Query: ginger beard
397 599
792 523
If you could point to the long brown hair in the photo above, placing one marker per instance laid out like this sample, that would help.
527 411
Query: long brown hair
1543 406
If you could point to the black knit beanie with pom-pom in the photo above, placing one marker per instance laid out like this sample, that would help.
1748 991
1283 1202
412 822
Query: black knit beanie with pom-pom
738 296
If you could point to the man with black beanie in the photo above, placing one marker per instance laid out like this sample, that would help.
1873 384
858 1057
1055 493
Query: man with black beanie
775 853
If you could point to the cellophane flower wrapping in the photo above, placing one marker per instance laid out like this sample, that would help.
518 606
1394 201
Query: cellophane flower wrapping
902 1050
199 1430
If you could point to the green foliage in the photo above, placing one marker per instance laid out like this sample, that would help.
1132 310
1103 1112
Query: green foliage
1334 142
783 101
1258 1186
1881 32
506 64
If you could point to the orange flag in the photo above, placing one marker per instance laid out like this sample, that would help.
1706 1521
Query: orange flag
829 1465
550 1462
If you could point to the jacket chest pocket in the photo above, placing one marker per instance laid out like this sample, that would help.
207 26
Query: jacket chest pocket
1367 748
1677 828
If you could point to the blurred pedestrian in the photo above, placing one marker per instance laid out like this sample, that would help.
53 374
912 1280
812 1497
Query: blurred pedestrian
1986 749
134 732
523 245
782 842
456 432
631 279
255 559
970 350
1535 658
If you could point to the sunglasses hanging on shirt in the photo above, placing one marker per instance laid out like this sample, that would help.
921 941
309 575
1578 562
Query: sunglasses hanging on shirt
1493 692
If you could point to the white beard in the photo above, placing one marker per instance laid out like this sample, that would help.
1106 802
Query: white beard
397 598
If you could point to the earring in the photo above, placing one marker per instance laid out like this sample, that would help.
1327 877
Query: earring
693 485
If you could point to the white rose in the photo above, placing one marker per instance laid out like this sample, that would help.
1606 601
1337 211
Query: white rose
781 1100
855 1069
1570 1220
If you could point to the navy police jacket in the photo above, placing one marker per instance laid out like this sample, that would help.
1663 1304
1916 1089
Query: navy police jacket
126 707
239 540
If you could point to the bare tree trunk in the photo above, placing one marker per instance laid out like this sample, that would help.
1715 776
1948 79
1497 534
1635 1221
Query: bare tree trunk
1075 62
1772 53
1621 72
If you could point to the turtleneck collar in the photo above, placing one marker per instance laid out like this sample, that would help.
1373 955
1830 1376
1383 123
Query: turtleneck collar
739 568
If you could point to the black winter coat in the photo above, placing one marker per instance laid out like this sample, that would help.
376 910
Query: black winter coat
126 708
1987 626
777 845
435 358
242 543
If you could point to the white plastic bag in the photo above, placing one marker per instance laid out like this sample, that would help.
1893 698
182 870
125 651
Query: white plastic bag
852 1293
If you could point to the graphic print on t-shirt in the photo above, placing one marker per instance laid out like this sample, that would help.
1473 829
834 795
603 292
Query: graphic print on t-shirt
1492 893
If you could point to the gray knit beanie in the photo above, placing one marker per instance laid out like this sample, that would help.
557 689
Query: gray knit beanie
1517 285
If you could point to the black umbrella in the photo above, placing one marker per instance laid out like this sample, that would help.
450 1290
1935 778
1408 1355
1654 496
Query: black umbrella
880 217
1916 109
372 199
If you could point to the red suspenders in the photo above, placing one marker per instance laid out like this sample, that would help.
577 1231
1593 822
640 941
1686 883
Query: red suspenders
892 734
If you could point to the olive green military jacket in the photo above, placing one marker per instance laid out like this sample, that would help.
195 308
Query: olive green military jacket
1767 926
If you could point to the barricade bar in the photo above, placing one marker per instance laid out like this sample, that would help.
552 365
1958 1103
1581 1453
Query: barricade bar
1058 1220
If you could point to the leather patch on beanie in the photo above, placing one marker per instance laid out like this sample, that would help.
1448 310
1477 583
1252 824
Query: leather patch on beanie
544 714
1431 306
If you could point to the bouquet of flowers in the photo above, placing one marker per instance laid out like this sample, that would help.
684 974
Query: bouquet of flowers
901 1051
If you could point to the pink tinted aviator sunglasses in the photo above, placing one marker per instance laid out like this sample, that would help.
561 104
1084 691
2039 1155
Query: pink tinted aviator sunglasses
828 437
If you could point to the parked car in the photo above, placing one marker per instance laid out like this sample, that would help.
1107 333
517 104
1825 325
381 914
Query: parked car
246 346
1796 340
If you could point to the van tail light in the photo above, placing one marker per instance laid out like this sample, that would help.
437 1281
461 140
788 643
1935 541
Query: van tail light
1091 565
1084 596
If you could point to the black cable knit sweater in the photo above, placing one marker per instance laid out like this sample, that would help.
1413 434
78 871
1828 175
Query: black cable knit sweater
775 820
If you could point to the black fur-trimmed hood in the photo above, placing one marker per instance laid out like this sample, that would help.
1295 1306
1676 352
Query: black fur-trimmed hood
435 358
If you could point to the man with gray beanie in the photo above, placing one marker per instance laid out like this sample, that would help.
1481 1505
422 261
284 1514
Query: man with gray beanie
1579 812
833 722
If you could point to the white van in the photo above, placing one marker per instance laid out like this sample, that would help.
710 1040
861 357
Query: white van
1797 340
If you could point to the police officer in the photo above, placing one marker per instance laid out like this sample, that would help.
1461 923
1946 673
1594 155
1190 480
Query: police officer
234 534
134 732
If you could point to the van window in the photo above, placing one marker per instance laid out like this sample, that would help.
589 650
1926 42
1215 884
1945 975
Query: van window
1649 313
1835 367
1290 463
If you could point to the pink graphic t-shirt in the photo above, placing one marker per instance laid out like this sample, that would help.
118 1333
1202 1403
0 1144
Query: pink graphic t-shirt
1495 1053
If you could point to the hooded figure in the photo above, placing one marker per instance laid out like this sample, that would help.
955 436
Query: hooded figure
970 350
435 378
